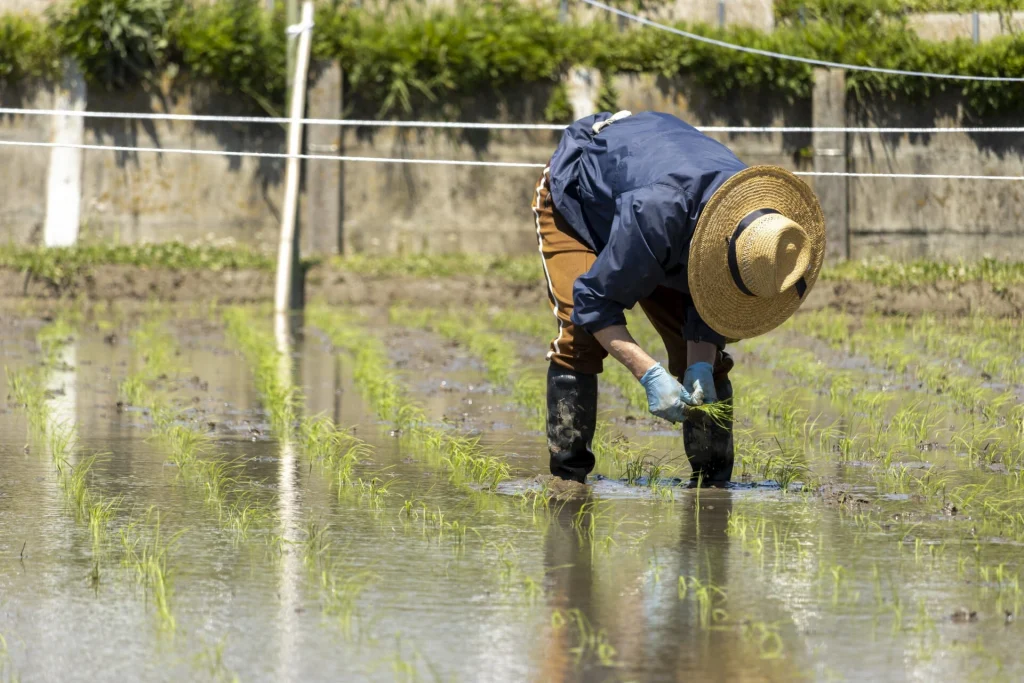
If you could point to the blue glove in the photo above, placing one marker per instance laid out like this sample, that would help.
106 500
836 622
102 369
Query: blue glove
664 394
699 385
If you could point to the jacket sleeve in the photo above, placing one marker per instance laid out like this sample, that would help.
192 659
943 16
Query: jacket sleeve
632 264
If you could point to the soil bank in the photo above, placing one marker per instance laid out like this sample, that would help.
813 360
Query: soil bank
323 283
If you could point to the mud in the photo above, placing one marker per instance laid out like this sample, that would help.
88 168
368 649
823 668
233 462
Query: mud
346 288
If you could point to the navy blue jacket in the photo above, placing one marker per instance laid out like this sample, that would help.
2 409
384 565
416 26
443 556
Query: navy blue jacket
633 193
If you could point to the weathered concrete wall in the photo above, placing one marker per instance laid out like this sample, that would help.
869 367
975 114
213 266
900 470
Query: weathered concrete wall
23 170
390 208
943 26
145 196
945 218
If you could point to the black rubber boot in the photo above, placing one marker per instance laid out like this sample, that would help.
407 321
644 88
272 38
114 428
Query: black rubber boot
572 417
708 444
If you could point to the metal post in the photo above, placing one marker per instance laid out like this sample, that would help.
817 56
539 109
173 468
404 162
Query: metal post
287 254
721 13
563 11
976 27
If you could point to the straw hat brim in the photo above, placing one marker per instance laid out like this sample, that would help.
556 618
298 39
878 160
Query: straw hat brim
718 300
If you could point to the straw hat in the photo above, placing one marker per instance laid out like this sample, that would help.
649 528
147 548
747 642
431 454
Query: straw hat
756 251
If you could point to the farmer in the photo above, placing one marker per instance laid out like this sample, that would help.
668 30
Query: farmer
646 209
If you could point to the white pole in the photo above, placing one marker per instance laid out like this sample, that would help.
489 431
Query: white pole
64 178
283 289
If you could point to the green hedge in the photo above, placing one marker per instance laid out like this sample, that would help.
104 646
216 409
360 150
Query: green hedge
414 60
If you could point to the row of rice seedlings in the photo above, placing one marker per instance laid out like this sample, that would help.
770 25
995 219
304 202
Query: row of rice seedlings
340 586
912 424
257 344
504 368
189 448
334 451
89 507
882 348
498 356
462 456
993 426
983 354
28 389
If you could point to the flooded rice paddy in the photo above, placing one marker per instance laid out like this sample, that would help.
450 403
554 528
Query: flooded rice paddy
183 495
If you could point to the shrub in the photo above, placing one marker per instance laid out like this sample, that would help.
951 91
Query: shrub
117 43
27 48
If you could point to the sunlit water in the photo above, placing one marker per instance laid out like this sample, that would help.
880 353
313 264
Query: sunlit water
625 586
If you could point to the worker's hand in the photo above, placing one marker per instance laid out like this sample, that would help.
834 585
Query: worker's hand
664 394
699 385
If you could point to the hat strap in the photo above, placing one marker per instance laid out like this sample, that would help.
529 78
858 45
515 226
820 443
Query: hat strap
734 267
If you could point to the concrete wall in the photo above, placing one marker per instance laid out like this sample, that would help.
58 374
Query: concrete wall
148 197
943 26
946 218
390 208
23 170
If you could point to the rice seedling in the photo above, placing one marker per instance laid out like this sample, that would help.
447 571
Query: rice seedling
336 451
708 597
72 479
100 514
590 642
146 552
374 490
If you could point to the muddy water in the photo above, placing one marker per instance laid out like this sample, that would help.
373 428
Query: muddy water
744 584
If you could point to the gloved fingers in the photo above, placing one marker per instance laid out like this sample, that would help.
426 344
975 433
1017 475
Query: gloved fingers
706 390
694 398
675 413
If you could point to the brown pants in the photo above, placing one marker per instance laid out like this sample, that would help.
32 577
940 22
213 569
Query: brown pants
565 259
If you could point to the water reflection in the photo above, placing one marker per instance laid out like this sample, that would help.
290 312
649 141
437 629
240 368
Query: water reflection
288 515
568 566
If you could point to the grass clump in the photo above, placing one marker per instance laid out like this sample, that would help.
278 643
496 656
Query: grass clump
887 273
62 266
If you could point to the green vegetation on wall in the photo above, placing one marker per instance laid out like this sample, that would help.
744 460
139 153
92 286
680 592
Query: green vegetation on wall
430 61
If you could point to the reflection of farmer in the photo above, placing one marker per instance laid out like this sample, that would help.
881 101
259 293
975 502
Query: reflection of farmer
645 209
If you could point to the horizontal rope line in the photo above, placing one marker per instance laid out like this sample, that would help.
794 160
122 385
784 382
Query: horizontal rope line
440 162
375 123
210 118
267 155
794 58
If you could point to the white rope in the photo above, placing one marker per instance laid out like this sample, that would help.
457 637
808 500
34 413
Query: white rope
268 155
384 123
794 58
442 162
209 118
924 176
